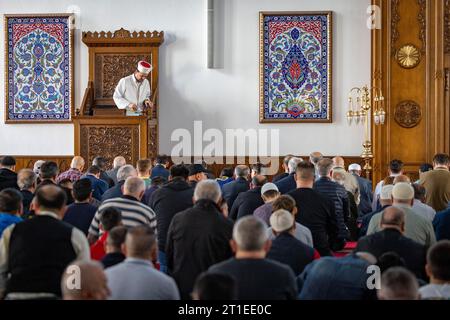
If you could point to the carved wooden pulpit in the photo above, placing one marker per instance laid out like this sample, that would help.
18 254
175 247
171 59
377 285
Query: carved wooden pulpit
101 129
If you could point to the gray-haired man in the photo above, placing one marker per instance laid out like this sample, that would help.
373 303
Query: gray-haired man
240 184
118 162
123 174
136 278
26 180
198 237
288 184
257 278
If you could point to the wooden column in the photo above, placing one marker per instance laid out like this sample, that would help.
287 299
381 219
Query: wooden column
408 64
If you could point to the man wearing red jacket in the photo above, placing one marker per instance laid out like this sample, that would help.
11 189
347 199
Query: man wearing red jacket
109 218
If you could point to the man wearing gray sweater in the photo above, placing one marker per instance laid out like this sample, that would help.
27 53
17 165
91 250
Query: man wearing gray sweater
136 278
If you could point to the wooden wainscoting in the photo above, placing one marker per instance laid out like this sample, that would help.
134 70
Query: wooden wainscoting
23 162
64 162
216 168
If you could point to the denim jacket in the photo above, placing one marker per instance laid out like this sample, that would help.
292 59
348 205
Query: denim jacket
331 278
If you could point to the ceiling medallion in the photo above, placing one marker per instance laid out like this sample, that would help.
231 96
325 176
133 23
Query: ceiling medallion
408 56
408 114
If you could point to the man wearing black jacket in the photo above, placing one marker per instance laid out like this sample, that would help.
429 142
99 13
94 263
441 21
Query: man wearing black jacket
285 247
288 183
196 173
231 190
48 173
337 194
247 202
315 211
284 174
257 277
8 178
171 198
391 239
123 174
100 162
198 237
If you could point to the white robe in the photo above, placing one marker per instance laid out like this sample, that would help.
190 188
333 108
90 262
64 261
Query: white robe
128 91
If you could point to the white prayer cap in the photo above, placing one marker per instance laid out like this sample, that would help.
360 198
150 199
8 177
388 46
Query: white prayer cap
386 192
281 220
354 166
144 67
268 187
403 191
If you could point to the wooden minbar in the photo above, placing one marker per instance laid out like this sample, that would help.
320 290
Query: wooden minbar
101 129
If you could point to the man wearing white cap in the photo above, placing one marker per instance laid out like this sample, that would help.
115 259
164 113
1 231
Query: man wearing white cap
417 228
133 92
365 189
385 202
269 193
285 247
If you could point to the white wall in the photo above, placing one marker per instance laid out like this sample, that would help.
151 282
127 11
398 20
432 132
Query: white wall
222 98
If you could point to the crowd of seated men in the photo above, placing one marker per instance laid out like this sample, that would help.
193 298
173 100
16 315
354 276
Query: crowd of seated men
155 231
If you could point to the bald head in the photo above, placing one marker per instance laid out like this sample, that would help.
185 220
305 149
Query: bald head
140 242
92 282
315 157
50 198
393 218
134 187
338 162
77 163
401 178
119 162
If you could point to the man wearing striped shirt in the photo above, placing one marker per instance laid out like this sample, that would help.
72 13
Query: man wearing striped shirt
134 213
